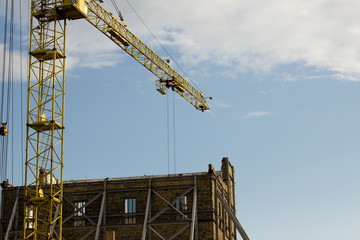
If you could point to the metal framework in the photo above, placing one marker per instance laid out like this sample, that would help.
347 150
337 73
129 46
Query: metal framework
223 204
14 215
149 225
148 219
46 94
45 123
124 38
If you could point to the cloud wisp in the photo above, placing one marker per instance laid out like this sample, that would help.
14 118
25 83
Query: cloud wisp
222 105
256 114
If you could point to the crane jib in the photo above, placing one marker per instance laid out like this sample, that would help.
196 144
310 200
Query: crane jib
107 23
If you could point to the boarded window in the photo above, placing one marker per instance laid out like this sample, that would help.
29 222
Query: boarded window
79 223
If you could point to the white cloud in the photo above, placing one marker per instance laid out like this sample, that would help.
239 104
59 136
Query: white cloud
88 47
247 35
257 35
256 114
222 105
287 77
18 63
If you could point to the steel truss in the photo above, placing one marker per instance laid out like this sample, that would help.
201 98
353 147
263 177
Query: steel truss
224 198
14 217
149 220
102 214
45 123
43 201
96 229
124 38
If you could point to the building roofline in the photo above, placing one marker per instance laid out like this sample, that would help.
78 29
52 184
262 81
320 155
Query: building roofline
145 177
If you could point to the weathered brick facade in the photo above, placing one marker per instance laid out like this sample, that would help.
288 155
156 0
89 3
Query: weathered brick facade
177 206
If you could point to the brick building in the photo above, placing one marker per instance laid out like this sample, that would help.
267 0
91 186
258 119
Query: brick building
177 206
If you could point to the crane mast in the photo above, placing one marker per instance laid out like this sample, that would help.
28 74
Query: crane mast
46 95
45 123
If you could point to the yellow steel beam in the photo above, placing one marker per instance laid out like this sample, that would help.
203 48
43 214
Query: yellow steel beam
45 123
46 96
130 43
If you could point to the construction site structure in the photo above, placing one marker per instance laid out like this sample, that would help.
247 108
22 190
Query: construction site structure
43 205
195 206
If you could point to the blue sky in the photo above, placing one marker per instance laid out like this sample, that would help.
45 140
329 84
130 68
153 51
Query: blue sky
284 76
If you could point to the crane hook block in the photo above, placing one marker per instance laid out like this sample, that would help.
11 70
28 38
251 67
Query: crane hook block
3 129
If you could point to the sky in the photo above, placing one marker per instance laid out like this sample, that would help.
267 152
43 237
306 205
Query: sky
285 81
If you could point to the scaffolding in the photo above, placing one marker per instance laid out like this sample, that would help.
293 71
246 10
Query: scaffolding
191 206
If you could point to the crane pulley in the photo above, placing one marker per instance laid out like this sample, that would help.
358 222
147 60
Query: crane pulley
3 129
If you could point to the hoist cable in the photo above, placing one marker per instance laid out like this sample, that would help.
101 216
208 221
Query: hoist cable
7 96
174 125
12 133
21 100
12 129
4 140
162 46
10 64
117 10
10 90
168 131
4 61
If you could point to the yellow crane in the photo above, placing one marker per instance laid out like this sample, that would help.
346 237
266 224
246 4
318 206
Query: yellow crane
45 116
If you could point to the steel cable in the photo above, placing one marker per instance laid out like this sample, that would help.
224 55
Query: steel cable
174 124
7 90
10 93
3 139
117 10
162 46
21 98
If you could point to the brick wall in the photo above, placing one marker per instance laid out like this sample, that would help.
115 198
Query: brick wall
125 221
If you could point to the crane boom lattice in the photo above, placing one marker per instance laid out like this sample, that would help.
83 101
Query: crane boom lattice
130 43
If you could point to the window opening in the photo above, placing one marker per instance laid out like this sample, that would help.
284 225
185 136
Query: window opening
30 224
79 212
130 210
79 209
181 204
220 216
130 205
